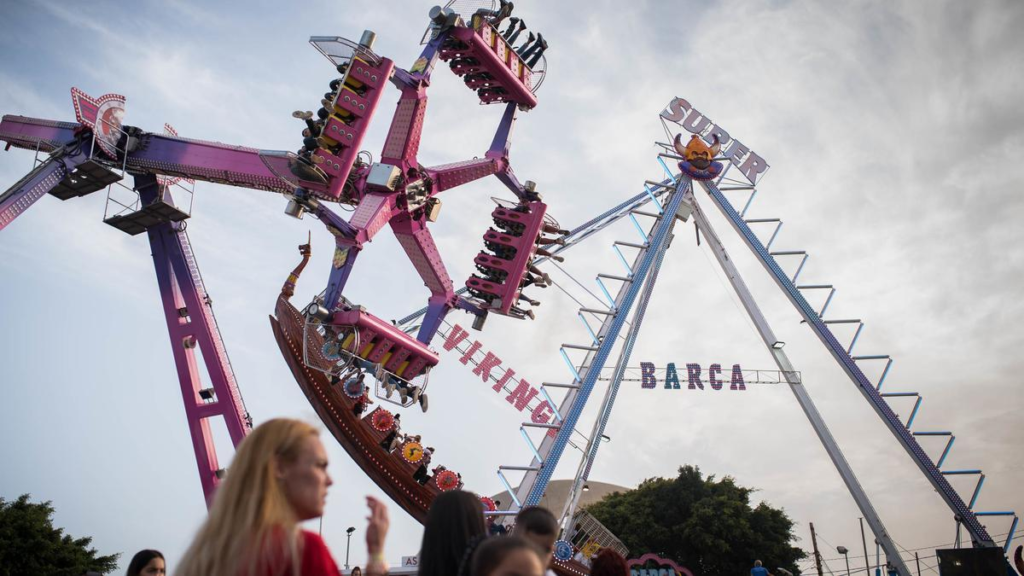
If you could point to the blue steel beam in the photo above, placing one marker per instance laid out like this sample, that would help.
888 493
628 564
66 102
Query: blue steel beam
659 237
979 535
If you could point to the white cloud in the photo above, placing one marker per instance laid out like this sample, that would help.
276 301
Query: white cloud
893 131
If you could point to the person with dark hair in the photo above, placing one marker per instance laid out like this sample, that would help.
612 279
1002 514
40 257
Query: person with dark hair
608 562
455 520
147 563
539 526
356 571
507 556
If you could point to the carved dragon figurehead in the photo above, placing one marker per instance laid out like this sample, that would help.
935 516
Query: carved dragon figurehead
698 157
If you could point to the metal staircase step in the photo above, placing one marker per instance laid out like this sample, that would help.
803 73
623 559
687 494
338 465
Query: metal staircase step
631 245
541 425
598 311
580 347
642 213
614 277
557 385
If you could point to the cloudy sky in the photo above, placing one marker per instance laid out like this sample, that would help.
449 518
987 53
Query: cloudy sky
894 131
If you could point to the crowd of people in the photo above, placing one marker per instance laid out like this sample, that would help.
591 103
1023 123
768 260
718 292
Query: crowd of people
279 479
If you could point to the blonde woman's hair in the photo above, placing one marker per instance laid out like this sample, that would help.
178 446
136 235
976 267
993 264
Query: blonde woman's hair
251 527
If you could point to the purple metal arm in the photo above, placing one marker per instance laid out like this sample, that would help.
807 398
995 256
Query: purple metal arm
500 148
190 323
207 161
345 253
35 185
503 135
495 161
449 176
403 140
419 245
335 224
403 79
372 214
159 154
35 133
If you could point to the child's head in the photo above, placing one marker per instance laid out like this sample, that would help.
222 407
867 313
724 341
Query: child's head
507 556
538 525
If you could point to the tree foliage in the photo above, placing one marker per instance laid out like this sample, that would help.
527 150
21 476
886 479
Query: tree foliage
704 524
29 544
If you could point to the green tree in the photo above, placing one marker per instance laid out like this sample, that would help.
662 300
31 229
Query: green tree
704 524
30 545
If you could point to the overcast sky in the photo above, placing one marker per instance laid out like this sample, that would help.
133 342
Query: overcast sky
894 132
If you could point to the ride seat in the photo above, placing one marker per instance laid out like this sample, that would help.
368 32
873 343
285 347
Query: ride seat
358 95
381 342
483 49
529 219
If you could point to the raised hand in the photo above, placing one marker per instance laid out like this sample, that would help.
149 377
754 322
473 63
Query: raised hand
377 526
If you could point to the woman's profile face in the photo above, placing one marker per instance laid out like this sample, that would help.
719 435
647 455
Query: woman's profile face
305 480
155 567
520 562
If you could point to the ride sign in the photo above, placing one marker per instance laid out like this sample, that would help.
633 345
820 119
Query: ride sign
693 377
746 160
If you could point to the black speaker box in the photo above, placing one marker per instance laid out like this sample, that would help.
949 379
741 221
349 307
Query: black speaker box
972 562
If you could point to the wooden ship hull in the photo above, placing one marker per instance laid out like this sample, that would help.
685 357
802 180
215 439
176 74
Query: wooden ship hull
356 434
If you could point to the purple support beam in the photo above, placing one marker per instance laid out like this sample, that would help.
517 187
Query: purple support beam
207 161
403 140
419 245
35 133
503 135
437 309
159 154
345 253
191 324
458 173
34 186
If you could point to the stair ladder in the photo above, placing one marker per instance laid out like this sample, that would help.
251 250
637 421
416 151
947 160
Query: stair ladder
964 513
584 374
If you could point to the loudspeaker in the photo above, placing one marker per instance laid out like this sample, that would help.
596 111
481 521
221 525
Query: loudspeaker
972 562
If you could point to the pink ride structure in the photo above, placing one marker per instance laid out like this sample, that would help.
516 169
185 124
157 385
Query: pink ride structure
97 152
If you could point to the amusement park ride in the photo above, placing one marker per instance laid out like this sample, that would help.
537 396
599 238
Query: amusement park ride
337 349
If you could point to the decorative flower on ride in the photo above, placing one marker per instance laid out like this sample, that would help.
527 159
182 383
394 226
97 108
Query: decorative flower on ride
331 349
563 551
488 503
353 387
698 157
446 480
382 420
412 452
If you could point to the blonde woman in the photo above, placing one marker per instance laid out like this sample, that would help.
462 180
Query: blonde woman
278 478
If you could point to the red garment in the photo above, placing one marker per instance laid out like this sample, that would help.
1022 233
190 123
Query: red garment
316 558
